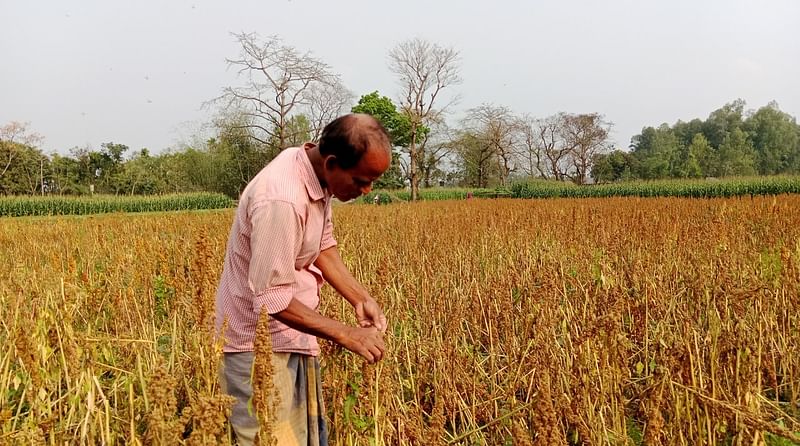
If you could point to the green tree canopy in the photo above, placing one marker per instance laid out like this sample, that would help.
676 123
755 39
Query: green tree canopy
399 127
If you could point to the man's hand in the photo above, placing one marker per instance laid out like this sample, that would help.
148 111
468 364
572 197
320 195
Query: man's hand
367 342
369 314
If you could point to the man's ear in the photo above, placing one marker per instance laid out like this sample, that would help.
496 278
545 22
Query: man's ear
330 162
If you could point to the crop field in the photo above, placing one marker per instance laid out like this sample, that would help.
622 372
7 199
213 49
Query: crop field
599 321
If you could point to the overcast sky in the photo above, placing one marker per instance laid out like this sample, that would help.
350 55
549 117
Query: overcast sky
137 72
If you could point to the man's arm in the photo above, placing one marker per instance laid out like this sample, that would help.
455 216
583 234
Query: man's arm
367 342
336 273
271 275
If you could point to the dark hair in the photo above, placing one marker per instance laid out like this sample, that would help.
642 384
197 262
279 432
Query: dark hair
348 137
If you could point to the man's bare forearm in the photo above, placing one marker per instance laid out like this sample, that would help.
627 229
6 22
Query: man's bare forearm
336 273
306 320
365 341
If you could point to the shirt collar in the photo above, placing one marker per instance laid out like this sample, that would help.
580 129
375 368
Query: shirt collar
314 188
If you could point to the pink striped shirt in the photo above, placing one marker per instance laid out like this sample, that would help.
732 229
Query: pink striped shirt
282 223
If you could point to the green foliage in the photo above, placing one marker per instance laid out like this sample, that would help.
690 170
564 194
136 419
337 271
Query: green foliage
50 205
701 152
296 132
733 187
735 155
21 168
612 167
774 440
730 142
384 110
665 188
393 177
477 160
398 125
776 140
635 432
434 194
236 158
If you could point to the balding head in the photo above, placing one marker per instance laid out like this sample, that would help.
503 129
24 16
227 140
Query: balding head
349 137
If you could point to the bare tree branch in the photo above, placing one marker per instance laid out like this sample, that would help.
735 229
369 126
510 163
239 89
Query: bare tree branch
278 78
325 102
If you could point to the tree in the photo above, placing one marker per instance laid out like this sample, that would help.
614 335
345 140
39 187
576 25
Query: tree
723 121
202 168
17 152
685 164
26 174
702 151
615 166
736 155
142 175
326 101
533 162
399 127
278 83
235 158
775 139
385 111
477 159
543 147
437 144
586 135
64 176
767 142
685 131
299 129
424 70
496 127
658 152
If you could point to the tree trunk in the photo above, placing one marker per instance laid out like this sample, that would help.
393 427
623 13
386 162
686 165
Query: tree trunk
412 150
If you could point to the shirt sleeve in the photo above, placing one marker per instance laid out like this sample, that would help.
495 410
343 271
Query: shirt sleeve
275 239
327 233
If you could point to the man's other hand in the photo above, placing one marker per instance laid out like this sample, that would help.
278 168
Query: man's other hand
369 314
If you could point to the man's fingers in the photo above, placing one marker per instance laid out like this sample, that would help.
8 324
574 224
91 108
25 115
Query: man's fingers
377 354
367 354
368 343
379 323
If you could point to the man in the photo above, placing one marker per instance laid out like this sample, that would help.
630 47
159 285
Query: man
280 250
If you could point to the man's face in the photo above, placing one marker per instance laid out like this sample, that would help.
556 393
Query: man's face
349 184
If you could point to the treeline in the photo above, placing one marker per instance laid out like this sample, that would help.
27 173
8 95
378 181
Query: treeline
491 147
222 164
730 142
287 96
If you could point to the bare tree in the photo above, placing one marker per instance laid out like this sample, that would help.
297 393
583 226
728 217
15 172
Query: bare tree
551 147
326 101
497 128
436 146
533 158
586 135
277 79
476 158
424 70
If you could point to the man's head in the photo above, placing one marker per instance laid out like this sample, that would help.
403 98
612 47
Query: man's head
355 150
